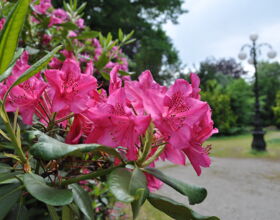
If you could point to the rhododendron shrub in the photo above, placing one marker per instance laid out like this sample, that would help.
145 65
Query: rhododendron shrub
78 135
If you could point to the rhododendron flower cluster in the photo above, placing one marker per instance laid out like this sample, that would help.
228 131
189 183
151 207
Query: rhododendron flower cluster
120 117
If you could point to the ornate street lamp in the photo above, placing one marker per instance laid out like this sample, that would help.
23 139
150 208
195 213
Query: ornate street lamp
254 50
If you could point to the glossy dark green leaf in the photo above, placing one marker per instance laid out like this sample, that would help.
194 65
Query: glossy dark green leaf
118 181
9 195
49 148
194 193
37 187
82 200
129 186
10 34
8 175
176 210
138 188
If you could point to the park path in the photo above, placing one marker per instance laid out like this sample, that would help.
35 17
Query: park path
238 189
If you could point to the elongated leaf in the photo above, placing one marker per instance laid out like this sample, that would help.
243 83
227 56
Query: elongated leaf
8 71
35 68
8 176
37 187
83 200
102 61
176 210
87 35
10 34
49 148
138 188
9 195
119 181
194 193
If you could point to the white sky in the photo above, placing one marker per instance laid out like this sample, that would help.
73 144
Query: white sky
220 27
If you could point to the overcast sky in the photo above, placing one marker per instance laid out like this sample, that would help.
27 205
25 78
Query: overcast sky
220 27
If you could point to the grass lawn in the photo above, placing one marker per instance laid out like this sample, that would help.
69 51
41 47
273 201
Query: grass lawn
240 146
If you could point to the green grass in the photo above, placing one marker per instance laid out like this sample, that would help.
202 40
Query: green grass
240 146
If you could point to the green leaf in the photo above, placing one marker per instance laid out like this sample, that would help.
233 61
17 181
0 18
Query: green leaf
102 61
176 210
52 212
8 176
194 193
68 26
8 71
105 75
118 182
123 73
37 187
83 200
9 195
138 188
66 213
87 35
10 34
4 168
120 34
35 68
128 187
49 148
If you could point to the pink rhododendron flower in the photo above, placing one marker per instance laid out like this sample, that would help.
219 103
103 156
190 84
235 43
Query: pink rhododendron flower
80 126
80 23
176 112
58 16
46 39
115 124
115 81
71 87
43 6
55 63
26 98
2 23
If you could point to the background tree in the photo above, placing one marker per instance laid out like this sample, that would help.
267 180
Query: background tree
152 49
269 78
223 70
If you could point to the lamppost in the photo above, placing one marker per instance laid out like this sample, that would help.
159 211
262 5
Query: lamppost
254 50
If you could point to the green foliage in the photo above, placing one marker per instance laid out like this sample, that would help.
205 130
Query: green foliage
276 109
241 101
9 195
152 48
176 210
38 188
269 84
194 193
10 34
83 200
48 148
222 113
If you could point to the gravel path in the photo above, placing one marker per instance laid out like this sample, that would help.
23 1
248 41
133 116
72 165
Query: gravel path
238 189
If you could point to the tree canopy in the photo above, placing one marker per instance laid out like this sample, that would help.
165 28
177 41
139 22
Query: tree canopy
152 49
